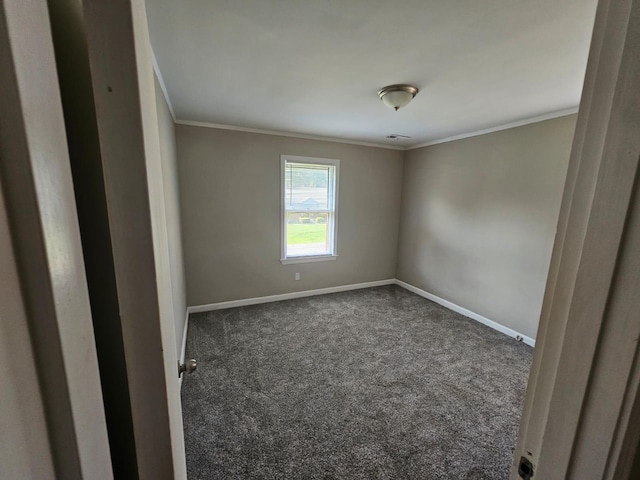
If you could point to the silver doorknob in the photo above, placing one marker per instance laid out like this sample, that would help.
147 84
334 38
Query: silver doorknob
189 367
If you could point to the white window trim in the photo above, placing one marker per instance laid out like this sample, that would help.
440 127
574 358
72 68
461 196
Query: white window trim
334 231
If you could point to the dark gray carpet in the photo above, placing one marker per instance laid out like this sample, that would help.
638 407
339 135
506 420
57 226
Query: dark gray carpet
369 384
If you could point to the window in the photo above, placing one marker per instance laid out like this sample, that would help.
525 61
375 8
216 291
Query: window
309 209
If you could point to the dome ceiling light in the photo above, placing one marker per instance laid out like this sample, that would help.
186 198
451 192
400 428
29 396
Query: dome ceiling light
397 96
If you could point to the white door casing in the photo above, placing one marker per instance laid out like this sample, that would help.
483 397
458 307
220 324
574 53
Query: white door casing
46 251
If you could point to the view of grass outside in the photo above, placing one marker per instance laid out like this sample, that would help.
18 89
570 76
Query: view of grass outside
307 233
302 233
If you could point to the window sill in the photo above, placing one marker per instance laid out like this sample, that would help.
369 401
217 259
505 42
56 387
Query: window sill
309 259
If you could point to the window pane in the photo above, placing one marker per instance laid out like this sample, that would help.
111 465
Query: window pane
307 234
307 187
309 206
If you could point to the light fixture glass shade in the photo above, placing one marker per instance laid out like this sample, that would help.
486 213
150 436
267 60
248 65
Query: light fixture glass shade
397 96
396 99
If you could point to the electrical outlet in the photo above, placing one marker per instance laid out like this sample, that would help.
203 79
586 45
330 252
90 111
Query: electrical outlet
297 276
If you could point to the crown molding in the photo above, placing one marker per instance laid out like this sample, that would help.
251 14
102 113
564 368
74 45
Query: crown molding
219 126
285 134
506 126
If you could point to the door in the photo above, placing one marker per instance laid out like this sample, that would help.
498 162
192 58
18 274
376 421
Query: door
104 64
127 124
123 87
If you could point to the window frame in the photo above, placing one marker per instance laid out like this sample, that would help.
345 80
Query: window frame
333 216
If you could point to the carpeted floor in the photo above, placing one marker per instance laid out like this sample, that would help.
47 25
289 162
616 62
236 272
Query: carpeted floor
369 384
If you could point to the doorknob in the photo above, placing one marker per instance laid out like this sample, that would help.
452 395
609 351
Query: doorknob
189 366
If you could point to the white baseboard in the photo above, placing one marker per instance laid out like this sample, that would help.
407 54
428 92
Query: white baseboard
287 296
468 313
183 350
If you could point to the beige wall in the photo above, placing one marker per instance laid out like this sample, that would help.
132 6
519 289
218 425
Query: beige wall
230 207
172 211
479 217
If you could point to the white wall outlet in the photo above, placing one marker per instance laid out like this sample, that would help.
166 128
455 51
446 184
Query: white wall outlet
297 277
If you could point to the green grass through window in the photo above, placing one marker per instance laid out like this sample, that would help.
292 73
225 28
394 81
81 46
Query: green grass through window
301 233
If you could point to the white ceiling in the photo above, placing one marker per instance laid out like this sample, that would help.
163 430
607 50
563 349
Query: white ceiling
314 67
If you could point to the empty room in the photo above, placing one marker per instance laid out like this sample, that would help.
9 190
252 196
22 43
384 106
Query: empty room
364 266
364 269
320 239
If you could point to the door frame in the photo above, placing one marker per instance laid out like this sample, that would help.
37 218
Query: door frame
38 195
